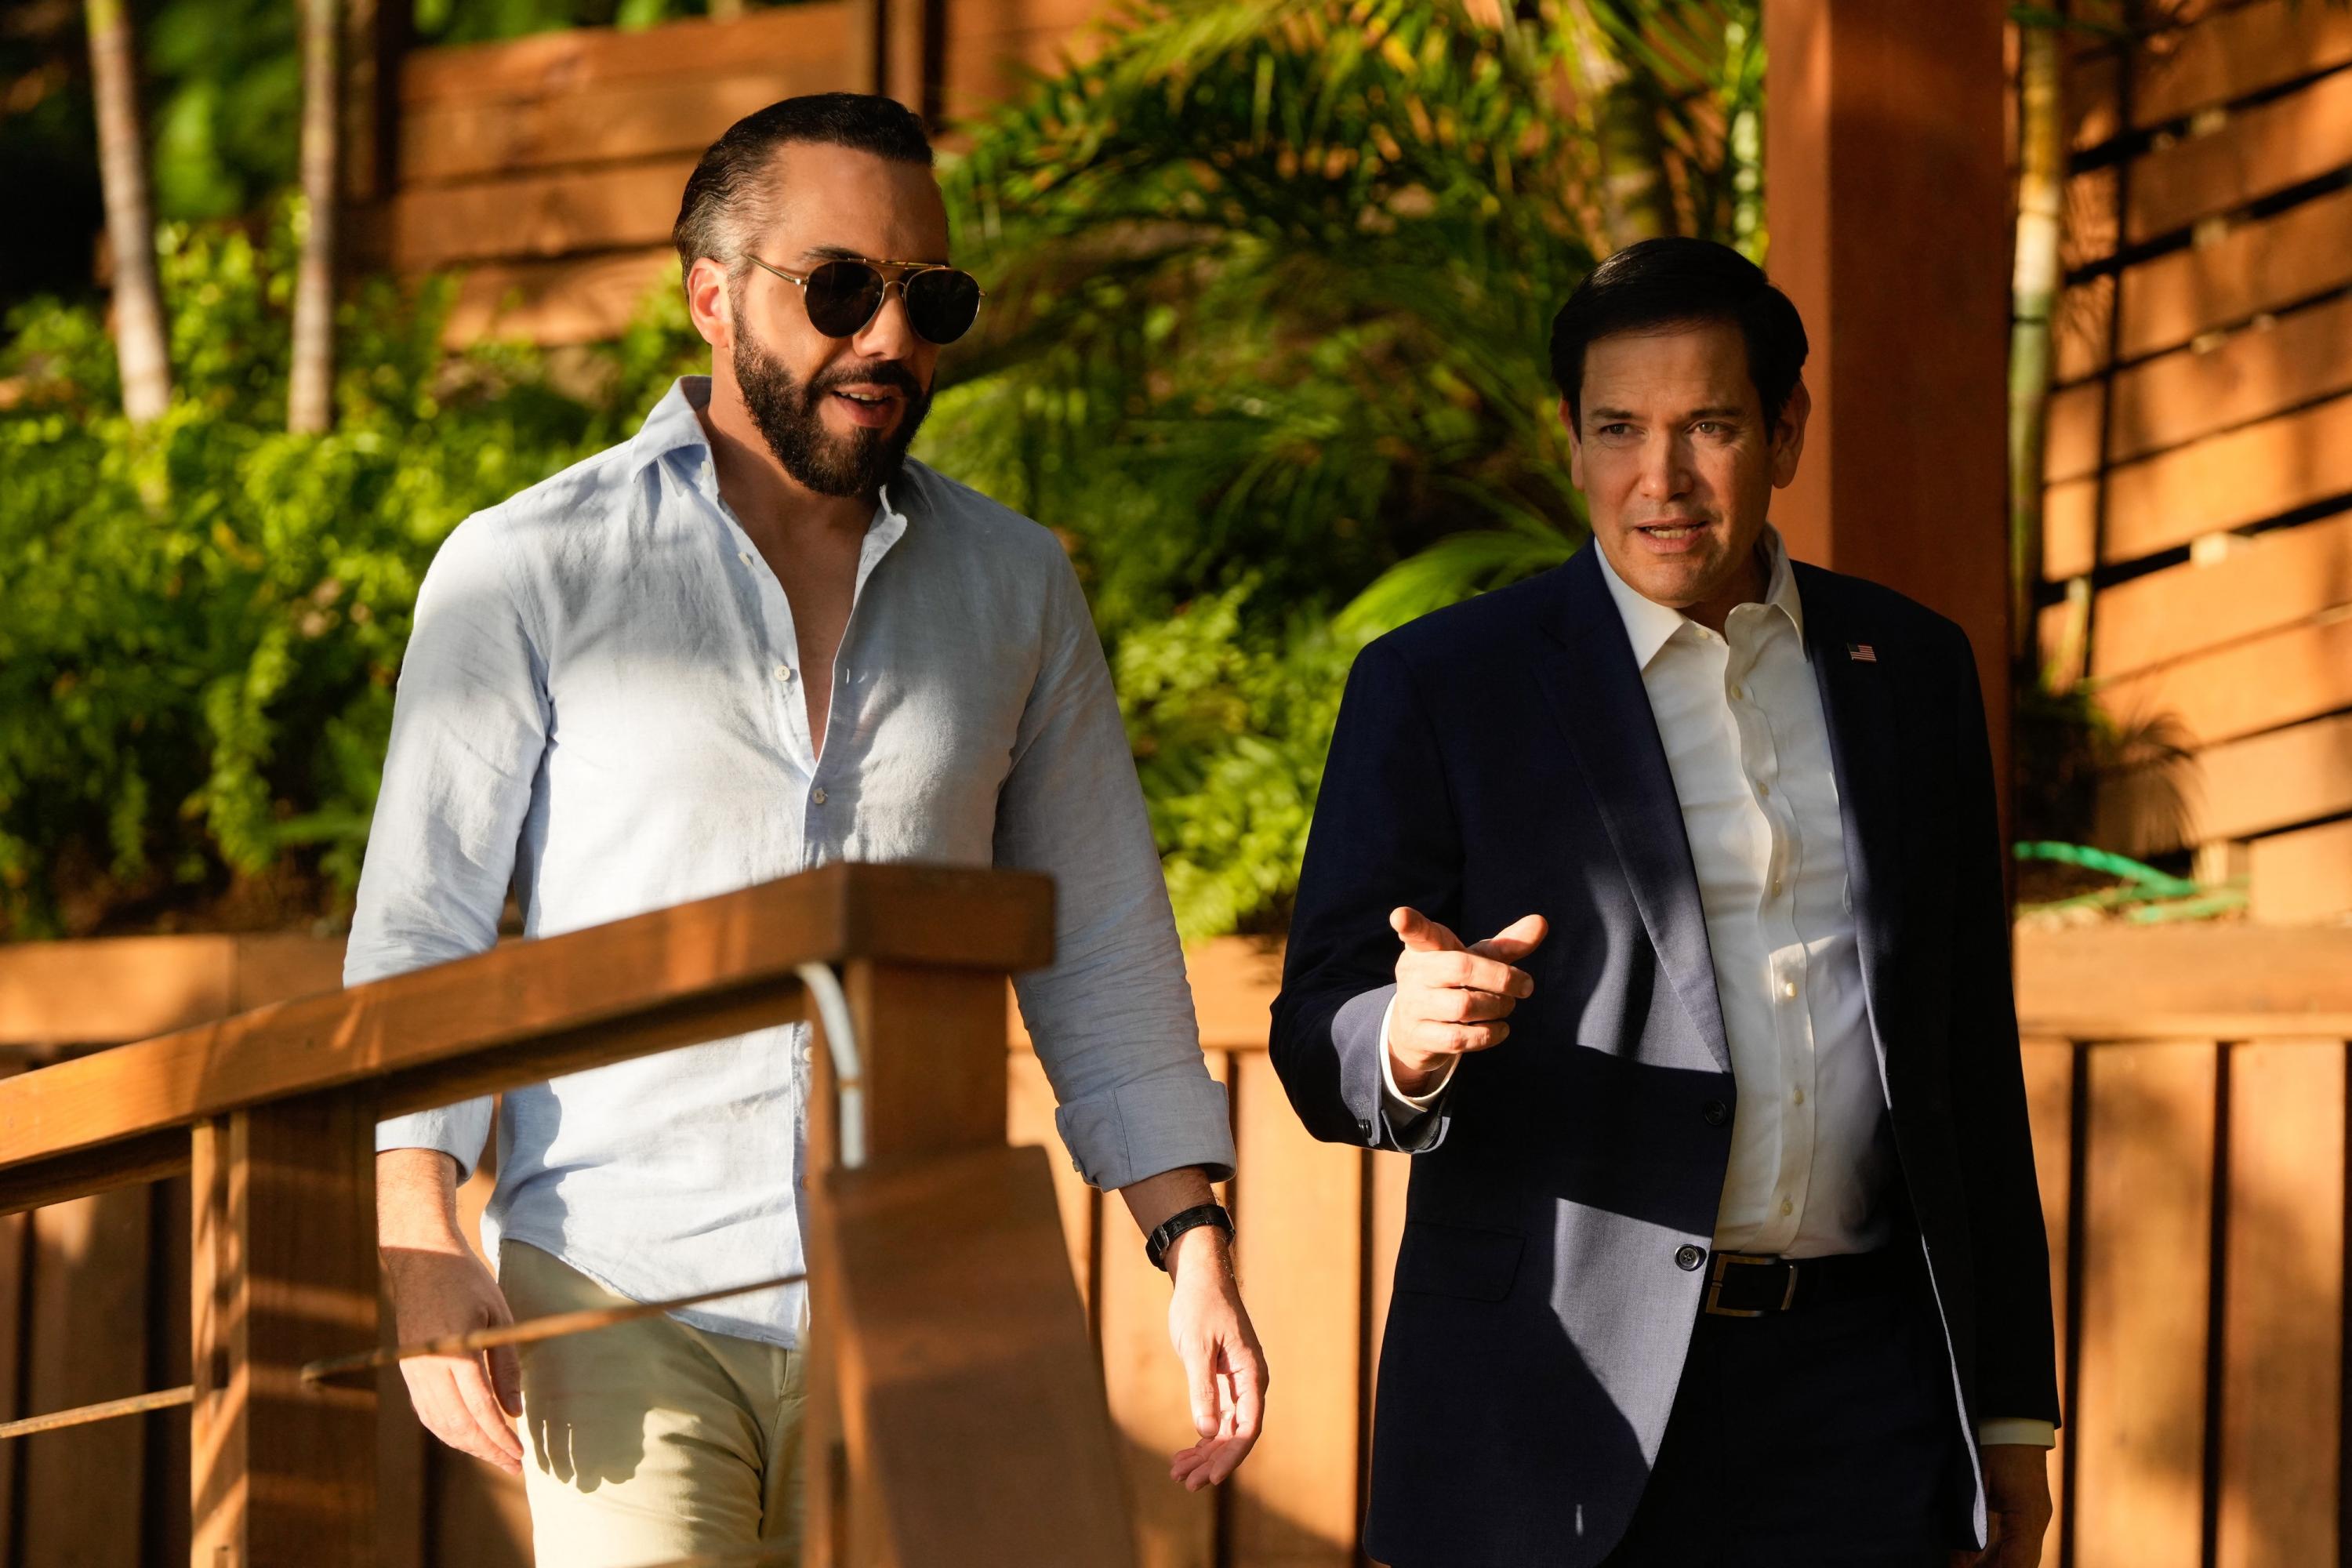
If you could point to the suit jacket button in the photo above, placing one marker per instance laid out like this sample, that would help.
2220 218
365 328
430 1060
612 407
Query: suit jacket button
1688 1258
1715 1112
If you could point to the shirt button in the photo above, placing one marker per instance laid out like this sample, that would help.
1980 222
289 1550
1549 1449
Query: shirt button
783 672
1688 1258
1787 1207
1715 1112
744 556
1776 884
1737 695
1763 790
816 797
1800 1097
1789 989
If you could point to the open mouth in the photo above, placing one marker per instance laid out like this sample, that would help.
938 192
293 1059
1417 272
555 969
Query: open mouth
1675 532
874 408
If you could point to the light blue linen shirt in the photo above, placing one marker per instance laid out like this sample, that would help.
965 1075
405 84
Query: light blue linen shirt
601 703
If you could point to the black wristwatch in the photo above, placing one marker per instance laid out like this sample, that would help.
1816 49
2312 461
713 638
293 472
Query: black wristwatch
1156 1245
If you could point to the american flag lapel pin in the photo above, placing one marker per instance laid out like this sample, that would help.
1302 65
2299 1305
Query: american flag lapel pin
1862 652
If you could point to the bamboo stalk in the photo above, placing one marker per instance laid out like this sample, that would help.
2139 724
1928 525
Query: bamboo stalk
530 1330
2034 294
309 399
139 339
84 1415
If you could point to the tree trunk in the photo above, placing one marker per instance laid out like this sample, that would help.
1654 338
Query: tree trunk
2041 184
139 341
310 402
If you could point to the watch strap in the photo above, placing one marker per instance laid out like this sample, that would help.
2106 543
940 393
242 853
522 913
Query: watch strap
1163 1236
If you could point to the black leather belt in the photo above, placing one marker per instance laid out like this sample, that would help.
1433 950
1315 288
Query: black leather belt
1743 1285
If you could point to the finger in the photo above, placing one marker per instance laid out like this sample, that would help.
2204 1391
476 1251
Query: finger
473 1385
1468 972
1249 1397
1471 1007
1460 1039
1515 941
1422 934
1200 1378
443 1412
505 1378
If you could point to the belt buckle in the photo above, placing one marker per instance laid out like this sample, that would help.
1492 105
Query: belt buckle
1723 1262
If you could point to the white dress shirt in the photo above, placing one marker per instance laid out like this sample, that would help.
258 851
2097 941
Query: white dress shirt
1813 1161
602 702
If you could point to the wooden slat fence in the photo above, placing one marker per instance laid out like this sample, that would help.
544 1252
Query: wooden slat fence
547 170
2193 1162
2198 474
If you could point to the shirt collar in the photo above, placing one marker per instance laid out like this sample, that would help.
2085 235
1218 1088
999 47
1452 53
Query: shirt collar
1650 625
674 426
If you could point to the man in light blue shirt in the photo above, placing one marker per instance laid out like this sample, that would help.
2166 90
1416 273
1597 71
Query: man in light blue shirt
753 639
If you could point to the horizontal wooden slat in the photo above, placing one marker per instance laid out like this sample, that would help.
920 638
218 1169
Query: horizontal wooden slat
456 138
2304 876
583 58
2255 152
2176 397
581 301
2170 972
124 988
2127 1030
2268 781
983 22
2235 53
2253 267
2272 580
2212 486
2302 672
625 206
670 976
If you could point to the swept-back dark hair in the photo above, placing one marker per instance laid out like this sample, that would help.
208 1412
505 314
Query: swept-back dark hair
729 200
1657 285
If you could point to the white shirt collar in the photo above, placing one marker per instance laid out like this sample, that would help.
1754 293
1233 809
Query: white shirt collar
675 426
1650 625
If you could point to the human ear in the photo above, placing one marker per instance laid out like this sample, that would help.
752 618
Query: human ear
1575 445
1789 435
710 302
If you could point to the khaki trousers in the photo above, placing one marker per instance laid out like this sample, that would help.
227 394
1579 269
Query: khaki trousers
651 1441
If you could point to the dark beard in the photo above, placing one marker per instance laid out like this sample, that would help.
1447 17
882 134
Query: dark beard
792 417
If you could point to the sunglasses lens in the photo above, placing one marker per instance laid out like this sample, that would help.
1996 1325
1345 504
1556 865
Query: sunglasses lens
942 303
842 297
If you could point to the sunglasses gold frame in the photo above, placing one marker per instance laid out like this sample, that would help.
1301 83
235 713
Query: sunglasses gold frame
903 271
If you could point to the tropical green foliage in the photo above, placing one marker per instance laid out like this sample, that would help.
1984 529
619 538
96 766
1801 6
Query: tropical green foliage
204 618
1272 282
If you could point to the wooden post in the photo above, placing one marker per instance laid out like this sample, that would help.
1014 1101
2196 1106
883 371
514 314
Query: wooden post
1887 207
285 1273
936 1439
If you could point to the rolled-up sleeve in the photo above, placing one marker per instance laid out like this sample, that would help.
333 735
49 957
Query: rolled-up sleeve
469 723
1112 1019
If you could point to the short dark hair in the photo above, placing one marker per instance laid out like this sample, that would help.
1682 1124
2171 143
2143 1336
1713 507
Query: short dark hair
728 198
1657 285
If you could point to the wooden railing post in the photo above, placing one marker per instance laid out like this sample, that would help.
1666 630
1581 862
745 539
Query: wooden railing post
956 1412
284 1213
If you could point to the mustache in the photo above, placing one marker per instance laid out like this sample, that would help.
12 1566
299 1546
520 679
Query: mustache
889 373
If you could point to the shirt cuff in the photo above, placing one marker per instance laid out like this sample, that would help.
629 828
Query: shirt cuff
461 1132
1411 1104
1175 1117
2018 1429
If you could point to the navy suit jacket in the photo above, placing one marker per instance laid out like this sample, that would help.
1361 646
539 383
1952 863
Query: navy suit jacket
1500 758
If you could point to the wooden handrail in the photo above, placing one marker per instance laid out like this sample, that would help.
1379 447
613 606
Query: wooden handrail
518 1013
2114 1026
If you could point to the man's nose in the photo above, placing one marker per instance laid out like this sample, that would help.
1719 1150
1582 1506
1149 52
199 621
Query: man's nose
1665 468
891 334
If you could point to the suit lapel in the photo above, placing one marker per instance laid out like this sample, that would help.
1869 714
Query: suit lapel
1850 657
1595 689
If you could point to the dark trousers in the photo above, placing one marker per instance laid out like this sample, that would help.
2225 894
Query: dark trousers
1816 1438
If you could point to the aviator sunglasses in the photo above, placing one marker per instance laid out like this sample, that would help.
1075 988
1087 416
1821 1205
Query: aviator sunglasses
842 296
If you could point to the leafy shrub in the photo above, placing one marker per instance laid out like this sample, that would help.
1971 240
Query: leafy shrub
202 620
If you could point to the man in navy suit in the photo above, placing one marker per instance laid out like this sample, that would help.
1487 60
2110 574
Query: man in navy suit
1723 1245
